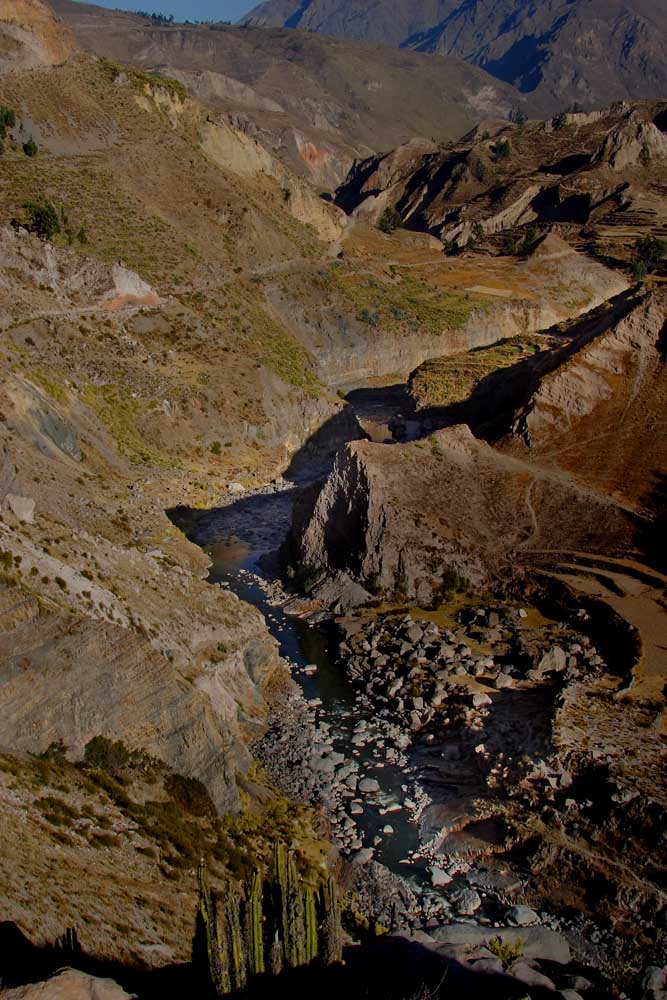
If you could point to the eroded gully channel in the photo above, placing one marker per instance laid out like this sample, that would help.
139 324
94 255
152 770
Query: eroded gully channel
243 540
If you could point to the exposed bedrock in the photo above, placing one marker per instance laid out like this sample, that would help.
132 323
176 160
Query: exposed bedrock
575 473
68 680
555 283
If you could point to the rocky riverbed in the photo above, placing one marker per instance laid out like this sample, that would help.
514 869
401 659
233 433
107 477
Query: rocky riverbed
426 738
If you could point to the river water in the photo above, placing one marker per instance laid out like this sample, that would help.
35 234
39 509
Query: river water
243 540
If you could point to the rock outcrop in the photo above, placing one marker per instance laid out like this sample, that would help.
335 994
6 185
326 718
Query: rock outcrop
573 171
410 521
70 984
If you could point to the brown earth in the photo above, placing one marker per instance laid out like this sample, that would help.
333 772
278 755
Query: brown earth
598 177
318 103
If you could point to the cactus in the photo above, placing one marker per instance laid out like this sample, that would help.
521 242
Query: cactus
311 925
295 929
206 932
332 934
235 942
233 939
255 929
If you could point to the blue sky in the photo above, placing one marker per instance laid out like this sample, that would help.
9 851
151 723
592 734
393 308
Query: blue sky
193 10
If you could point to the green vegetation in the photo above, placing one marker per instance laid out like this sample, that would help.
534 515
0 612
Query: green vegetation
120 413
649 255
44 220
54 389
505 950
405 305
30 147
502 149
389 221
238 310
445 381
7 121
265 924
141 79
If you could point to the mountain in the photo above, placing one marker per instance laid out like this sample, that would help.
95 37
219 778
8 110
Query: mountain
31 35
597 175
559 51
317 102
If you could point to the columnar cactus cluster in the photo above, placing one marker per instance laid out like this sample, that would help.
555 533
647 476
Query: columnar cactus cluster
266 924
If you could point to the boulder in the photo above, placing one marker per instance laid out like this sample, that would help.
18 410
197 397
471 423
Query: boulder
526 974
522 916
553 662
536 942
23 508
69 984
439 876
468 902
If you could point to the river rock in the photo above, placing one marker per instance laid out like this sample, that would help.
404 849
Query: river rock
552 662
526 974
467 902
439 876
480 699
363 857
369 785
522 916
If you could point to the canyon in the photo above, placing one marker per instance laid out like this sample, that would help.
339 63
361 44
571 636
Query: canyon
328 521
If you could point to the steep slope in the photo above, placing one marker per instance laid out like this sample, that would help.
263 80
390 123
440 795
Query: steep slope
30 35
318 102
576 473
597 176
589 51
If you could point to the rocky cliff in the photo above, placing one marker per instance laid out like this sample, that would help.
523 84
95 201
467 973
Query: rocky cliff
318 103
585 173
471 509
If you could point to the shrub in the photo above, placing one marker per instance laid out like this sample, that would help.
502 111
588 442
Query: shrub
216 448
638 270
505 950
44 220
106 755
502 149
7 120
190 794
389 220
30 147
508 244
650 251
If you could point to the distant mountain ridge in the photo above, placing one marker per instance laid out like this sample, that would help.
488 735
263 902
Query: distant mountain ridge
561 51
317 102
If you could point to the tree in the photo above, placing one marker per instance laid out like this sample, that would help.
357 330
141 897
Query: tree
30 147
44 219
518 115
389 220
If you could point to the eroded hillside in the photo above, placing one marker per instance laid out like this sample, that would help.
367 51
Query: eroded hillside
181 317
557 52
318 103
598 177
